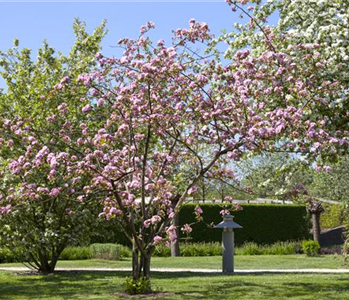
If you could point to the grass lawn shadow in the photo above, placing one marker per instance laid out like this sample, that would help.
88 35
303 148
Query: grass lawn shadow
181 285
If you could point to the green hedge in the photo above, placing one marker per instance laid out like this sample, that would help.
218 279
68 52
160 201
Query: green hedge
262 223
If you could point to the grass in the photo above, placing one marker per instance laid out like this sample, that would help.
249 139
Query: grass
102 285
185 285
298 261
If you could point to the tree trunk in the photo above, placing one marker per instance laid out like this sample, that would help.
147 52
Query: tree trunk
175 250
135 263
141 263
146 266
203 191
315 209
316 226
44 266
53 263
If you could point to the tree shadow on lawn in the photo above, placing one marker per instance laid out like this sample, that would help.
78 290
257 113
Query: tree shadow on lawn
262 286
186 285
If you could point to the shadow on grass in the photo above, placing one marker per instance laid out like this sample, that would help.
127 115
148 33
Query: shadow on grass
185 285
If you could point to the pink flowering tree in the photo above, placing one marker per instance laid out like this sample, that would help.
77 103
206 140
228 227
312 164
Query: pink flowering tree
157 109
40 212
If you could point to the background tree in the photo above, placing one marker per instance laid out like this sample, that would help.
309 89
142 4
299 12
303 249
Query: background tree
334 184
303 25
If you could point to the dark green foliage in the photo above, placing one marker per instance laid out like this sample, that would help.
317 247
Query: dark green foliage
262 223
139 286
310 248
107 231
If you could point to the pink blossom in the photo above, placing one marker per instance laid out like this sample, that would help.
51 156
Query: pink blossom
157 239
5 209
198 210
327 168
155 219
192 190
54 192
100 102
86 108
224 212
318 168
172 234
228 198
147 223
186 229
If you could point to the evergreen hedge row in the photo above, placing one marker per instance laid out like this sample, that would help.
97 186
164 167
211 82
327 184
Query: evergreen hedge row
262 223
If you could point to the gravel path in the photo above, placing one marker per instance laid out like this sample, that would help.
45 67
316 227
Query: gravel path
178 270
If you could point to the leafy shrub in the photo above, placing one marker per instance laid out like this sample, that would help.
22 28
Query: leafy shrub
6 256
215 249
110 251
140 286
310 248
76 253
201 249
281 248
162 251
248 248
191 249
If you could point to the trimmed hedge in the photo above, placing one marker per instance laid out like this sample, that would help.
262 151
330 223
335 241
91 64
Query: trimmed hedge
262 223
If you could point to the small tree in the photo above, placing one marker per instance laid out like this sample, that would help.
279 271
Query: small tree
42 215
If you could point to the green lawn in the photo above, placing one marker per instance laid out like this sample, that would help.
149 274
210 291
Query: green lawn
185 285
102 285
214 262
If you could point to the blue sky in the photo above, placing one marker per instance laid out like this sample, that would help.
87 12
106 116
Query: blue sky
32 22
